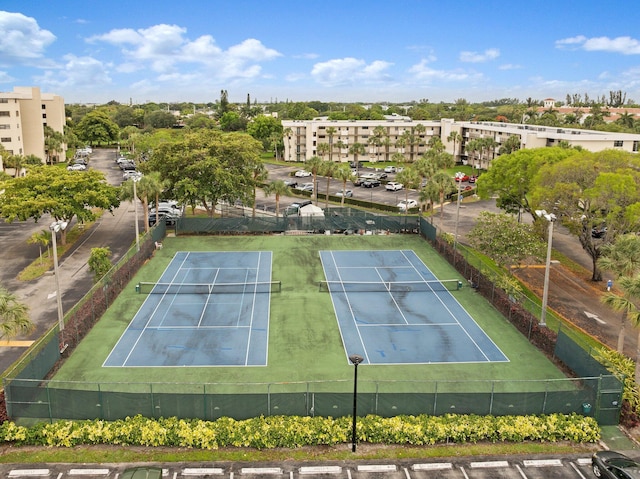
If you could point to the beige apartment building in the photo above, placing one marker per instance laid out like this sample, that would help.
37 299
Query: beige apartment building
399 134
23 114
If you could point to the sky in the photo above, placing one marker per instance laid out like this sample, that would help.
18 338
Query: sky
140 51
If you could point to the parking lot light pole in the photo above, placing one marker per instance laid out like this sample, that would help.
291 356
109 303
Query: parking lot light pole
55 227
551 218
355 359
135 210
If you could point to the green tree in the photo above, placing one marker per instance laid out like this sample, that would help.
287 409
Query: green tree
623 259
315 166
148 188
14 315
60 193
263 128
277 188
328 170
41 238
97 128
99 262
232 121
455 137
357 149
259 174
504 240
443 184
53 143
159 119
344 174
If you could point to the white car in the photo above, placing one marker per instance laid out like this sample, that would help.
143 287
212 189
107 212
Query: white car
347 193
407 205
370 176
393 186
389 169
305 187
302 174
76 167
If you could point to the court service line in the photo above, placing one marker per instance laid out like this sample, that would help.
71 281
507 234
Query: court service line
444 304
353 316
393 299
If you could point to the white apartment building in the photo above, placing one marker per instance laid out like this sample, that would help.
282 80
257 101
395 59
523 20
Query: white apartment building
302 138
23 114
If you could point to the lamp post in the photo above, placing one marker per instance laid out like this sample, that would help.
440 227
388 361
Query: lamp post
551 218
355 359
55 227
455 238
135 210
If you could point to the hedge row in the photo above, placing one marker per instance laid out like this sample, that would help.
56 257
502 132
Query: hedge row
296 431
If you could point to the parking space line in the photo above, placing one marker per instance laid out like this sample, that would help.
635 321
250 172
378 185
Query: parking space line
28 472
488 464
577 470
542 462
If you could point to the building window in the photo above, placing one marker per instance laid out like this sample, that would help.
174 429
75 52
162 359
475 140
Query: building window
635 145
4 100
4 113
617 144
5 140
44 115
44 107
5 127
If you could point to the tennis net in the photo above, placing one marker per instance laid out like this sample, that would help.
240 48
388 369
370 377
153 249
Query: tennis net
205 288
389 286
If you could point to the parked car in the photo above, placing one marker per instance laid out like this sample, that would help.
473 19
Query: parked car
473 179
393 186
305 187
76 167
170 219
347 193
389 169
406 205
127 165
131 174
359 181
369 176
599 233
613 465
460 176
142 472
302 174
371 183
291 183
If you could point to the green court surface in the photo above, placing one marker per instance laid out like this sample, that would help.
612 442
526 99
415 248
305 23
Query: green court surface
304 343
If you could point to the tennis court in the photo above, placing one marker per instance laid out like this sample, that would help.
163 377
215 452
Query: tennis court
207 309
391 309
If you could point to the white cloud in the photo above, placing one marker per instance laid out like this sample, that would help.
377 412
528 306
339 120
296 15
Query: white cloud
422 71
625 45
21 39
475 57
77 72
344 71
6 78
510 66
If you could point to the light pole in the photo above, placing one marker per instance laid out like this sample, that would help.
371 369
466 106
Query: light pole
55 227
455 239
355 359
551 218
135 210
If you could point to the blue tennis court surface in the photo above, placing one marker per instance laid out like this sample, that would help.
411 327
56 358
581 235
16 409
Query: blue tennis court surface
392 310
180 325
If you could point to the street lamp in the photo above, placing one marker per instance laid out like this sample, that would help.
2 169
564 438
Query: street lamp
551 218
55 227
135 209
455 238
355 359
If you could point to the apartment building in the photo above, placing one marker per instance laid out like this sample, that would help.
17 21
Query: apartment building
398 134
23 114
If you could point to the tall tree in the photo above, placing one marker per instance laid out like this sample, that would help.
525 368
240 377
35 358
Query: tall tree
53 143
97 128
60 193
277 188
344 174
331 131
357 150
315 165
41 238
623 259
328 170
455 137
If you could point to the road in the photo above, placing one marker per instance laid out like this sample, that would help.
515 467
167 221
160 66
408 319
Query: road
116 231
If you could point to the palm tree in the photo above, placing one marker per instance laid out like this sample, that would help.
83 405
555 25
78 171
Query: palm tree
435 144
149 187
630 285
278 188
456 138
355 150
323 148
53 142
376 140
14 315
259 174
442 183
623 259
314 165
328 169
330 132
472 147
42 238
626 119
287 132
410 178
343 173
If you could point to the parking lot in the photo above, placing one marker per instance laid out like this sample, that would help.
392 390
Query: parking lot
465 468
